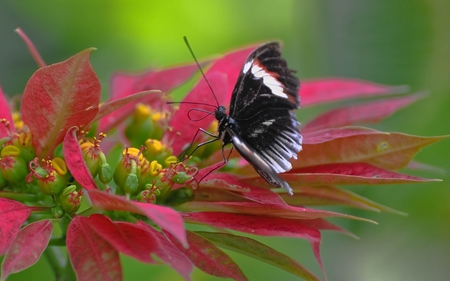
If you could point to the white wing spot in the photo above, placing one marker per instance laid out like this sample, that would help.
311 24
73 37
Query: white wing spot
247 66
269 81
269 122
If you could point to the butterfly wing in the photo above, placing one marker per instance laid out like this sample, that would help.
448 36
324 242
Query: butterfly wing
261 106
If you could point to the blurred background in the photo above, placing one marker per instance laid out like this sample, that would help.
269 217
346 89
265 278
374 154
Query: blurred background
390 42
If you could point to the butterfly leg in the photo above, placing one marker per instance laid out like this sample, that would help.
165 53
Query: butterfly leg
217 167
183 154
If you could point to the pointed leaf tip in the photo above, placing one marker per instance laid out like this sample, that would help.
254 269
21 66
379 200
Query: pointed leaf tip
58 97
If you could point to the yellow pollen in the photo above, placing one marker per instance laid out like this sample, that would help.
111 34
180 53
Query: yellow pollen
171 160
134 152
142 111
59 165
153 146
25 138
10 150
155 168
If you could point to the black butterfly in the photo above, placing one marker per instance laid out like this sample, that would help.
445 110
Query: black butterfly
261 124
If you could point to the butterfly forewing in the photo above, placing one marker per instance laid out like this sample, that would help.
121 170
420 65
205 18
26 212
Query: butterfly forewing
261 104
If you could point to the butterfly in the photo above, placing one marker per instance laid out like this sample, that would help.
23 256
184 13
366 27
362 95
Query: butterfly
261 123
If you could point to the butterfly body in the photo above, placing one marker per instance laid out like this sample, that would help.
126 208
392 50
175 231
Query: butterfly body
261 124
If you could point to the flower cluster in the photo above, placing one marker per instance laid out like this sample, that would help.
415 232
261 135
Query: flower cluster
129 193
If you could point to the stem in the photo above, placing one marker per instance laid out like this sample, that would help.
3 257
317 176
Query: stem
60 264
56 260
21 197
59 241
33 51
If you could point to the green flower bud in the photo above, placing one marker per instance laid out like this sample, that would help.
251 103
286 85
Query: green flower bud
25 145
52 184
70 199
91 157
13 168
105 172
58 212
181 178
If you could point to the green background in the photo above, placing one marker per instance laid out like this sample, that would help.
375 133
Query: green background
390 41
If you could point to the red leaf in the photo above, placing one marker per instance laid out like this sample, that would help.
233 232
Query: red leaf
371 112
227 182
255 249
5 113
114 105
27 248
164 217
184 130
341 174
261 225
92 257
362 170
330 195
251 208
58 97
210 259
75 161
124 85
390 151
334 89
329 134
12 215
170 254
126 238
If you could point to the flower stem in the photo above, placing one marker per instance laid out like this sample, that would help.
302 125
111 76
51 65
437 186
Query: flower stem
60 264
21 197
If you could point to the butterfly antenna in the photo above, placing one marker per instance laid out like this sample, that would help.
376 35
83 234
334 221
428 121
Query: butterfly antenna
189 102
200 68
208 113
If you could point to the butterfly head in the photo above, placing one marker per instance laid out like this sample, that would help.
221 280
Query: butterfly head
220 113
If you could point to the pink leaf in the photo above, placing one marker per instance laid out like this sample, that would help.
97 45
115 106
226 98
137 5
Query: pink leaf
390 151
75 161
210 259
58 97
329 134
164 217
183 130
371 112
27 248
362 170
124 85
253 193
341 174
92 257
170 254
252 208
257 250
12 215
260 225
330 195
114 105
5 113
126 238
333 89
